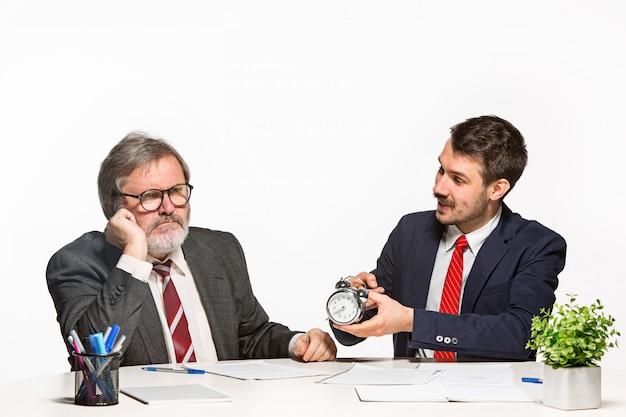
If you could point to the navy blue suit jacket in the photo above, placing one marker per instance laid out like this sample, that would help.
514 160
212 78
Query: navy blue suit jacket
513 277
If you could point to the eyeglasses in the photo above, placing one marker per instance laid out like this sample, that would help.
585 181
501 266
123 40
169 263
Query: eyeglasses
152 199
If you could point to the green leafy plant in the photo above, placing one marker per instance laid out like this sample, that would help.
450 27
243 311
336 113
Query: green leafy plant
572 335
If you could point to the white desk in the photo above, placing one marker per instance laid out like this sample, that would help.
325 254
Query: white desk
53 396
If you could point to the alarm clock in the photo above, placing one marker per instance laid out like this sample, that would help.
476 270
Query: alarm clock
347 304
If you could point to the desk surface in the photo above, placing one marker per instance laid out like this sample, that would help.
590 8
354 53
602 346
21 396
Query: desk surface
53 396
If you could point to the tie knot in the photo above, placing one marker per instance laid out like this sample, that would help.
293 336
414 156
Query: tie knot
461 243
163 269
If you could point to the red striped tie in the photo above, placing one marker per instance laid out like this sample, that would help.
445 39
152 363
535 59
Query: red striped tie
176 319
452 286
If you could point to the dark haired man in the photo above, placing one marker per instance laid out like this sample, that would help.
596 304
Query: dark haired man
506 270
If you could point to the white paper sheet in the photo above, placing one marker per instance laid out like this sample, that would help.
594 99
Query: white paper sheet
176 394
484 394
360 374
255 369
471 373
441 393
401 393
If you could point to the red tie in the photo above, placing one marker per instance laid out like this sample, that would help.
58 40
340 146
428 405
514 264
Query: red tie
452 286
176 319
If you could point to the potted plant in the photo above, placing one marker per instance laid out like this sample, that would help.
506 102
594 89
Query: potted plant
570 340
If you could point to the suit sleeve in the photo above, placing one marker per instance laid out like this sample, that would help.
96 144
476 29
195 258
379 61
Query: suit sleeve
241 328
383 273
89 294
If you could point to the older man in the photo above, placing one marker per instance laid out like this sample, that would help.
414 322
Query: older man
148 259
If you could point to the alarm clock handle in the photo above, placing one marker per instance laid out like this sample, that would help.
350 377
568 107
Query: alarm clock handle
345 282
362 291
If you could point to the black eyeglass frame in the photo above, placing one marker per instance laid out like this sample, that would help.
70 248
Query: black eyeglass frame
163 192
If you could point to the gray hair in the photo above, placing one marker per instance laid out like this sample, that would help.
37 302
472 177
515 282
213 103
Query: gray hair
136 150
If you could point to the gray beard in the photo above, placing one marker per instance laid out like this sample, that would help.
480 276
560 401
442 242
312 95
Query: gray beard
167 244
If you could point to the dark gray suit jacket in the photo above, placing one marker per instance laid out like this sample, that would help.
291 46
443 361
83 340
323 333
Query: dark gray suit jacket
513 277
90 293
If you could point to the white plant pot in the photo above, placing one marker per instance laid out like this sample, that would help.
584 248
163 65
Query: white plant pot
574 388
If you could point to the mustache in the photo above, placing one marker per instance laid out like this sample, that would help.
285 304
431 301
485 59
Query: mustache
443 201
166 219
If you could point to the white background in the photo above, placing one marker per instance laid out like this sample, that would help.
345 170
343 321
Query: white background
310 128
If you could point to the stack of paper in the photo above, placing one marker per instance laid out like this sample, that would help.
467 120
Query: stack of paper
435 382
176 394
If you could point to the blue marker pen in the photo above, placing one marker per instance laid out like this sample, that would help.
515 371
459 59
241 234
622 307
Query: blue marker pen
93 343
110 340
179 371
532 380
99 338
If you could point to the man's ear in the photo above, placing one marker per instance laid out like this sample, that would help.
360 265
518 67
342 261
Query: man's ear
499 188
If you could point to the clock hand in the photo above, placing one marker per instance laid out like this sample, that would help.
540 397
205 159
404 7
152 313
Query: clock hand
340 310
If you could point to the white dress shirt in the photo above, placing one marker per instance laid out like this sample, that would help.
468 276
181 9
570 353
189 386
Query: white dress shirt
199 327
475 240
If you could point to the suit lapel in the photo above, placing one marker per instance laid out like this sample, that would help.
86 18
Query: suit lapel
148 328
151 332
489 256
215 294
426 246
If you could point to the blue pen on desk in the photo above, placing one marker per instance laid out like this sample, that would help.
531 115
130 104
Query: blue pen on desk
179 371
532 380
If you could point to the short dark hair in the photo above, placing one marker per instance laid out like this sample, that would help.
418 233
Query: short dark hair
496 143
137 149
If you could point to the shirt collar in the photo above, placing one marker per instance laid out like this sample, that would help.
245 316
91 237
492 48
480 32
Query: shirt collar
178 260
476 238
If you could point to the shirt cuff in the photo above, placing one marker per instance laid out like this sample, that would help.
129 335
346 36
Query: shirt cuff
140 270
292 342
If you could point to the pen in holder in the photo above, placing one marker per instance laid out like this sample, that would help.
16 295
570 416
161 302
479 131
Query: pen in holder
96 378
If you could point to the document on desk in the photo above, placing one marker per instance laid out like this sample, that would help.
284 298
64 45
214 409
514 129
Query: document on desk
255 369
472 382
401 393
359 374
176 394
471 373
441 393
483 394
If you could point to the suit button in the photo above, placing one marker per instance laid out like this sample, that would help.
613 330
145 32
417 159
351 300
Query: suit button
446 340
455 341
439 338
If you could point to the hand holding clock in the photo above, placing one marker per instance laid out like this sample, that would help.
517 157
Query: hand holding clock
348 303
392 317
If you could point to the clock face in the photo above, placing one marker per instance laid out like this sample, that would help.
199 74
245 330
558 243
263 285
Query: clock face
344 307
